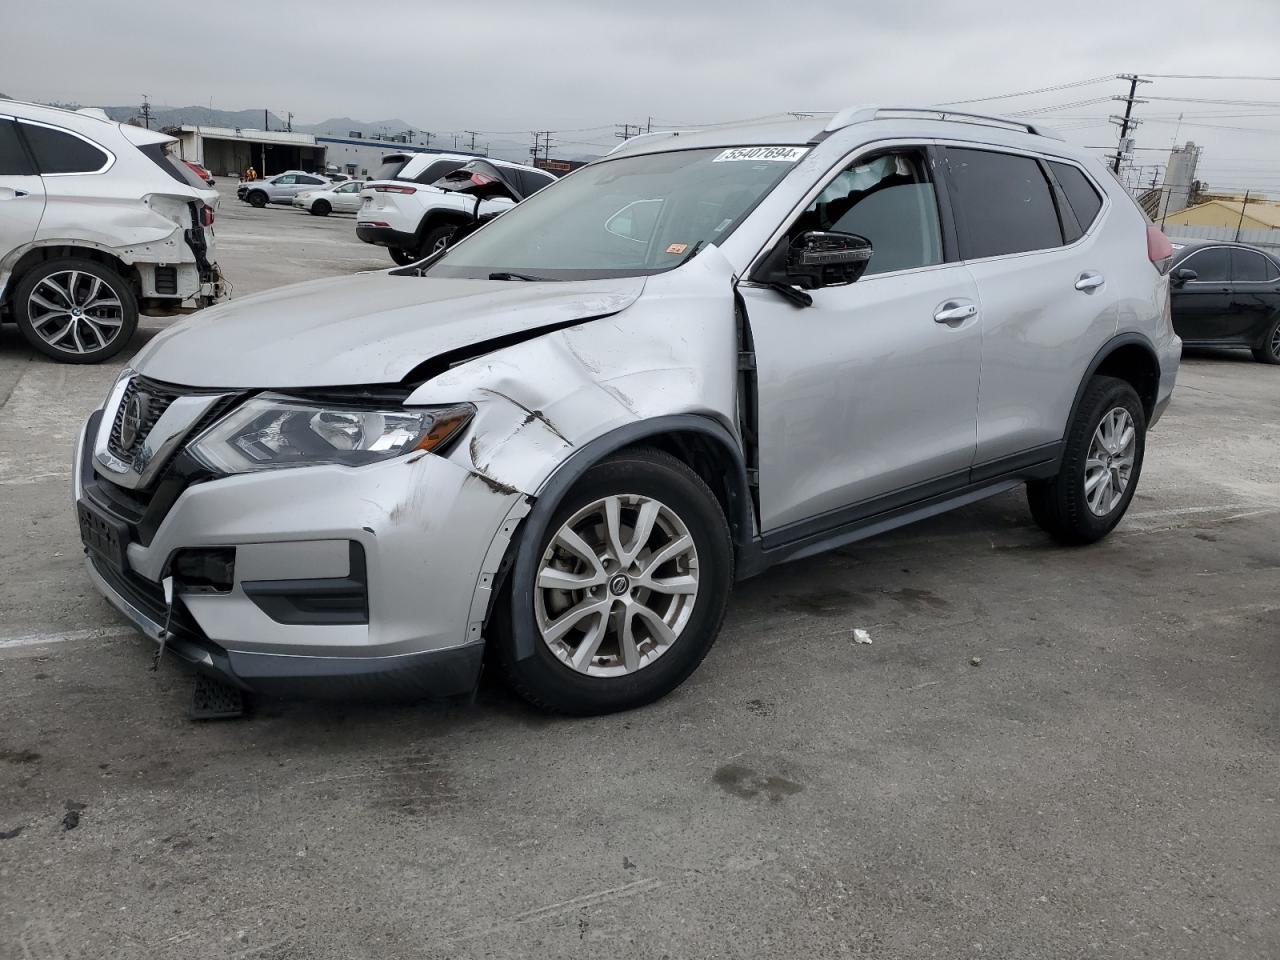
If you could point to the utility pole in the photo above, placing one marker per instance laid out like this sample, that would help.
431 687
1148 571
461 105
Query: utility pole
266 121
473 140
1240 222
1126 122
625 133
648 127
288 124
146 111
541 143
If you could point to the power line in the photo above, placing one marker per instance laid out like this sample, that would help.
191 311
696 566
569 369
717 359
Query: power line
1201 76
1027 93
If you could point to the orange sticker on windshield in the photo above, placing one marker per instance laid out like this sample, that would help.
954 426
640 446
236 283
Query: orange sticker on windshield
677 248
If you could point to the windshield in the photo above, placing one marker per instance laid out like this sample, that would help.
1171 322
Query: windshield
633 216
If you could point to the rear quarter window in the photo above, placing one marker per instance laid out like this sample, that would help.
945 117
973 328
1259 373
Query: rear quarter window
1081 194
1003 202
57 151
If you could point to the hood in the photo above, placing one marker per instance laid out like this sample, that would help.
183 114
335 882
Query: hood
367 329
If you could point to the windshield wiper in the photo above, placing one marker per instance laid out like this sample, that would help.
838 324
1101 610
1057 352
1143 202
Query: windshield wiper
507 275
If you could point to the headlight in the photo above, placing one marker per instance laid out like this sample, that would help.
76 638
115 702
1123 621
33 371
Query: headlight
270 432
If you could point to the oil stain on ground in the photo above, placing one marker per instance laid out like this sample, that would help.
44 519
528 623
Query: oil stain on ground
745 783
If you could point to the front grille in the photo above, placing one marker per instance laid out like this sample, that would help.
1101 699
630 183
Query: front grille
155 401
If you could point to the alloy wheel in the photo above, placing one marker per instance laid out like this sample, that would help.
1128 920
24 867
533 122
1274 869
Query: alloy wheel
1110 462
1274 345
616 585
75 312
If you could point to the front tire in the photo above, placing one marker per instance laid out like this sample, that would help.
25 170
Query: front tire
257 199
320 208
633 575
403 257
75 311
1269 352
1101 464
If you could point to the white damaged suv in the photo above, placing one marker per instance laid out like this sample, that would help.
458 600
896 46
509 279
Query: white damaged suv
561 441
97 223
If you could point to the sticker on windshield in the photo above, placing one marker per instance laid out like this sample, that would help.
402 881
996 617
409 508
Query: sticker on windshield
778 154
677 248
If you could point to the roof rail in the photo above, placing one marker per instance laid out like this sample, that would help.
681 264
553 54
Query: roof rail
863 113
654 135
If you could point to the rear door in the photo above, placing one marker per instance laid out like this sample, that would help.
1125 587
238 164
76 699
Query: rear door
1255 294
347 197
21 191
1202 307
1044 301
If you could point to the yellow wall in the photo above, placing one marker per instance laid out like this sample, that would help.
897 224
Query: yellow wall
1215 215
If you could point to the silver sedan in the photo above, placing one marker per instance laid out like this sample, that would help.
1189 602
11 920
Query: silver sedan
340 198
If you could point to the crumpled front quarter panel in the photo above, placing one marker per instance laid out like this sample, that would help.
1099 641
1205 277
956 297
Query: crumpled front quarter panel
673 351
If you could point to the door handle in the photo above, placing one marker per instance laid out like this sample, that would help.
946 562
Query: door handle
7 193
1090 281
955 312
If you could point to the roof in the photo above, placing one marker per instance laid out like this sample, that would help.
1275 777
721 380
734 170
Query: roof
812 128
1265 214
1185 247
246 133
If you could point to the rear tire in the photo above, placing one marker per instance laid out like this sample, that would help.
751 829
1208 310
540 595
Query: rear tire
436 239
75 311
403 257
1269 352
650 638
1100 466
257 199
320 208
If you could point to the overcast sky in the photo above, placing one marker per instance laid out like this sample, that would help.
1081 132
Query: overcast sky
513 65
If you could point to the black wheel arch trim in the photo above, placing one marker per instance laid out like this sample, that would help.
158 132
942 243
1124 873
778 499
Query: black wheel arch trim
571 470
1108 348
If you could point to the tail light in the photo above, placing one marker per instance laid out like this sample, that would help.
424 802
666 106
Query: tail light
482 179
394 188
206 216
1159 249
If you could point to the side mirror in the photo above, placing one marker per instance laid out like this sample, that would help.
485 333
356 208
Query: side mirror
824 258
1183 275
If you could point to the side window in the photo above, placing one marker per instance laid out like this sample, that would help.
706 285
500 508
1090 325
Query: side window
13 158
312 181
888 199
349 188
1211 266
1003 202
287 180
1081 194
59 152
1250 267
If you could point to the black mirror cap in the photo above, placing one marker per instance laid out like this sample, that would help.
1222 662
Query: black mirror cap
827 258
1184 275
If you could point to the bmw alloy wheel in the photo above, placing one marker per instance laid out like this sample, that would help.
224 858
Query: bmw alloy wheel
616 586
75 312
1110 462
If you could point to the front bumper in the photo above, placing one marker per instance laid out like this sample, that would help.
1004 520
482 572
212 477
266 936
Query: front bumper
432 536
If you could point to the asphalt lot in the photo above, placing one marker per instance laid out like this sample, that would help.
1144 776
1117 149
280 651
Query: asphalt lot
1104 782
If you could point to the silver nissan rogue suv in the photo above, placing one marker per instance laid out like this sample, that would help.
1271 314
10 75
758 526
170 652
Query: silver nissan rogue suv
565 438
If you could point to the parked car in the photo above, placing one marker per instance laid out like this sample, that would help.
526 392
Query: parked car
340 197
413 219
97 222
281 188
566 436
1227 295
205 176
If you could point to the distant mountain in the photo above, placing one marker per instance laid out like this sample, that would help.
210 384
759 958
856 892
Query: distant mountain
204 116
341 126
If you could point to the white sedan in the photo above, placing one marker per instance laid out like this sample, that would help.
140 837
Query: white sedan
341 198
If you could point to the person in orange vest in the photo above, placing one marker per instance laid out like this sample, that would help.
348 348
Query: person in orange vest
251 174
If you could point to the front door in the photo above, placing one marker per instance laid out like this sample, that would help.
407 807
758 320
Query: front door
21 192
873 389
1202 307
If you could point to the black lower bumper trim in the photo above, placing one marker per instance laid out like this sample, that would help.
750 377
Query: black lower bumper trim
387 237
433 674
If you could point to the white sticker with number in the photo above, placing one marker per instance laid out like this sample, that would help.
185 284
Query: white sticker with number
777 154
